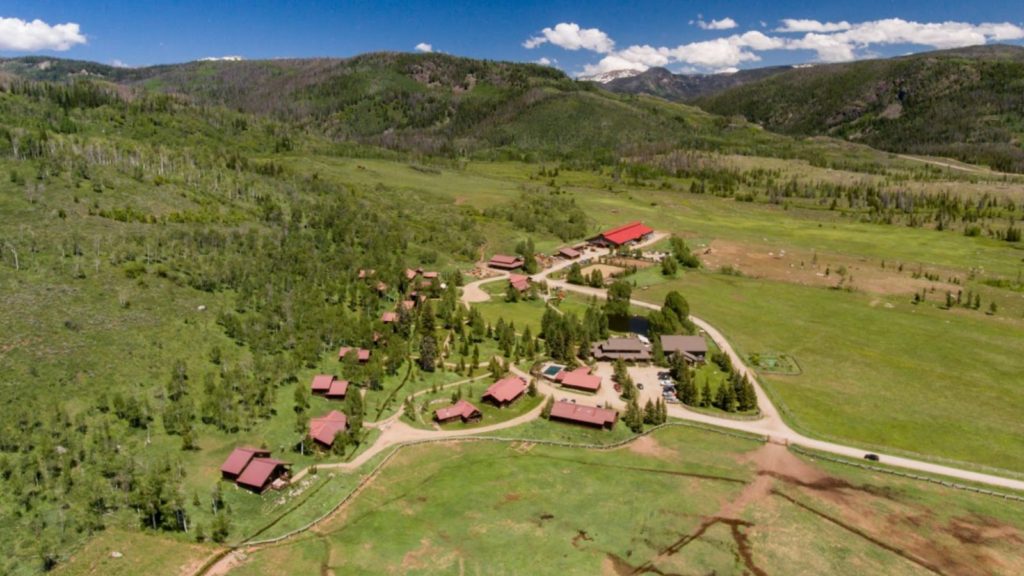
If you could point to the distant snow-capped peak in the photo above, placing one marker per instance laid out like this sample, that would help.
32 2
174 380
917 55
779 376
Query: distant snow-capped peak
606 77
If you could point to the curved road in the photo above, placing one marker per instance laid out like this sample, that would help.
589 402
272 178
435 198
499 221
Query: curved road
772 426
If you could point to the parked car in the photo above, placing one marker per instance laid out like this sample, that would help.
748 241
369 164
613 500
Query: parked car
872 457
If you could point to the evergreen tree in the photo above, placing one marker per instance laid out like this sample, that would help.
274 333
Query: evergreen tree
428 353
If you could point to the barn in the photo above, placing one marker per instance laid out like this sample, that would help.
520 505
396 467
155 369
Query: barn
627 234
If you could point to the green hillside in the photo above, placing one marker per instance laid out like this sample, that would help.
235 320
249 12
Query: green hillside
966 104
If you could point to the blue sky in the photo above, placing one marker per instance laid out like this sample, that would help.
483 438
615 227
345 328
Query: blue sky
577 37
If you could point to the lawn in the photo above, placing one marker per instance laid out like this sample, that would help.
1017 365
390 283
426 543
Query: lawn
491 414
876 372
682 501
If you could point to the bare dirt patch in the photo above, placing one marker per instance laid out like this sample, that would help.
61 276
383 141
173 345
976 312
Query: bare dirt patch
606 270
810 269
649 446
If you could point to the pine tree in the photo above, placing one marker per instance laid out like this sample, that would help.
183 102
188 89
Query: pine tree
705 395
650 413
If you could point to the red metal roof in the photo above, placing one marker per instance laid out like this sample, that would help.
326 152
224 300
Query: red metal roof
389 317
584 414
519 282
461 409
628 233
430 275
504 261
410 273
580 378
569 252
506 389
240 457
362 354
325 428
258 472
338 389
322 382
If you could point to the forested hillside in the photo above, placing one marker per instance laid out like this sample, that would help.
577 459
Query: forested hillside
429 104
686 87
966 104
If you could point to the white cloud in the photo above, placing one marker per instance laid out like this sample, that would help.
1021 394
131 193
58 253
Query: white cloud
19 35
830 41
118 63
728 70
543 61
222 59
570 36
723 24
804 25
424 47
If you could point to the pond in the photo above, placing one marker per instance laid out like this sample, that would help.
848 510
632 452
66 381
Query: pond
635 324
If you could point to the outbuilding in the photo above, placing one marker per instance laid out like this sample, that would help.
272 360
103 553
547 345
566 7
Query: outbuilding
505 391
461 410
627 234
239 459
261 472
324 429
631 349
586 415
362 354
504 262
693 348
579 379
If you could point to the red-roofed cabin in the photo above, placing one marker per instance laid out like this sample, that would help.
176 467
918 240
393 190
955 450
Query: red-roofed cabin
586 415
461 410
239 459
322 383
261 473
569 253
505 391
631 232
580 379
324 429
337 390
430 275
408 304
382 287
503 262
519 282
410 273
362 354
389 317
363 274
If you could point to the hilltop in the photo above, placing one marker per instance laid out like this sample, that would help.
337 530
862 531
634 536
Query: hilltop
428 103
963 103
687 87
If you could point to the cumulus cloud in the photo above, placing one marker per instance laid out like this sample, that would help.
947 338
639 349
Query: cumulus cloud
543 61
829 41
803 25
118 63
570 36
222 59
723 24
18 35
424 47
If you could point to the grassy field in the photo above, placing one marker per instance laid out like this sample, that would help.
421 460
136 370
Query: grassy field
681 501
140 554
876 370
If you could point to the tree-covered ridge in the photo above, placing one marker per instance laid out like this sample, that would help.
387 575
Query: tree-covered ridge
966 104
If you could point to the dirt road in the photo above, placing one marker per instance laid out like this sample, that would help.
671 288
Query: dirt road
771 424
